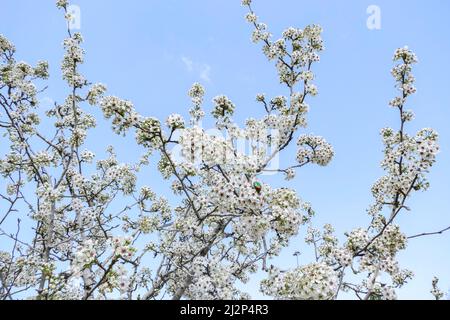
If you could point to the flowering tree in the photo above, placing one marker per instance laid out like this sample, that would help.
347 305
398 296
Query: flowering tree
63 236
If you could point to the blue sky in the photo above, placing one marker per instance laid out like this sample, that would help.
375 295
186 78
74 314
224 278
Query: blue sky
151 52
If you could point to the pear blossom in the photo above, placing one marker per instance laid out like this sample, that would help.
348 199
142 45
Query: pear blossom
97 229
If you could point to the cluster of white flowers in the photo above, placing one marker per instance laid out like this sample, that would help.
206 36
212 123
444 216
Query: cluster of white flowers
343 256
357 239
315 150
87 156
121 111
96 93
175 121
223 107
252 228
22 270
251 18
73 56
84 256
123 247
196 145
315 281
5 45
61 3
196 93
388 293
18 78
149 132
437 293
290 174
211 281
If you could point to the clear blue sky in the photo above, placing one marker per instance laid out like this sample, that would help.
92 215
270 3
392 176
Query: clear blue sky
152 51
